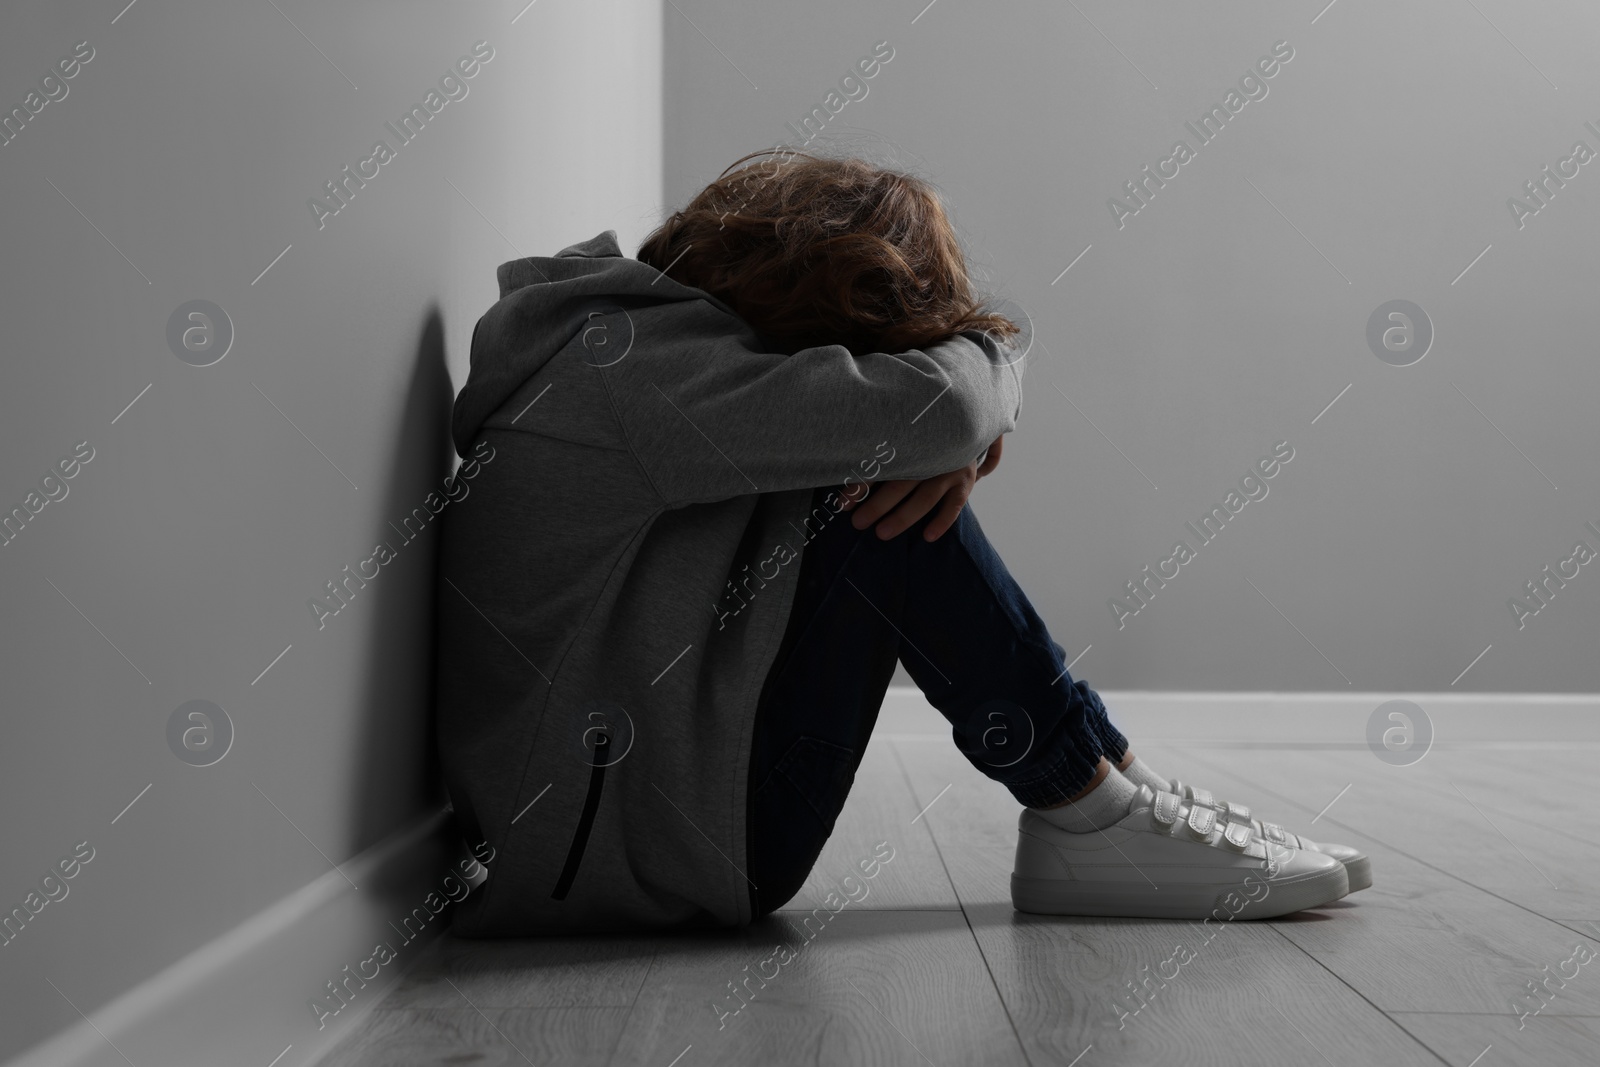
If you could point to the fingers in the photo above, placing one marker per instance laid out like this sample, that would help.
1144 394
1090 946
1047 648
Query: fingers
949 510
924 499
885 495
895 506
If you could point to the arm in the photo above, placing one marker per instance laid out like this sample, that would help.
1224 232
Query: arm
711 417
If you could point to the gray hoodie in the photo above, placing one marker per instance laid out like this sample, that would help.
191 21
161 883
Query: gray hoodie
614 586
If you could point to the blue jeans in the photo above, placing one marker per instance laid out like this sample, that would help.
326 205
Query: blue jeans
951 612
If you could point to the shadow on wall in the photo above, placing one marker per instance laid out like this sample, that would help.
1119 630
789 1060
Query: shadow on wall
397 777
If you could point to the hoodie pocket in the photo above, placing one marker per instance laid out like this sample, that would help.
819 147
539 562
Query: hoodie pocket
591 804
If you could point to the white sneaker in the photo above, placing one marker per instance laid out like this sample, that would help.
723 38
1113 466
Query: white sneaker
1356 863
1168 858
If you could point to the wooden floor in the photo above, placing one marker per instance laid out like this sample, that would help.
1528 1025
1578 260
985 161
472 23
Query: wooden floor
1486 860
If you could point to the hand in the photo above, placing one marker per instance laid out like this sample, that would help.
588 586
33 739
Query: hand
991 458
901 503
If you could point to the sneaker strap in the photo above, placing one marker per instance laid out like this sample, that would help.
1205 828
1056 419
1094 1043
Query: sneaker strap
1184 816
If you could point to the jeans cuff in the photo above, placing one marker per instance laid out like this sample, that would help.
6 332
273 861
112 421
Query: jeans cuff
1066 777
1112 743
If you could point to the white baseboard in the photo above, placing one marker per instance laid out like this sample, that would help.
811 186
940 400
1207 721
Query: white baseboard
244 997
1324 720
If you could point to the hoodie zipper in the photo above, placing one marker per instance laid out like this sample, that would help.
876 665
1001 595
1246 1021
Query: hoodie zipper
591 803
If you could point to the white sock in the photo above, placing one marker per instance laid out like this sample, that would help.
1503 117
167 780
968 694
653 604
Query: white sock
1105 804
1139 773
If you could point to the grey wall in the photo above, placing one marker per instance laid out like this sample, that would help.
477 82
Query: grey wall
178 166
1227 313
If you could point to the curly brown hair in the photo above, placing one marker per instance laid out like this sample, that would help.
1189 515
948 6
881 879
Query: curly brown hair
815 251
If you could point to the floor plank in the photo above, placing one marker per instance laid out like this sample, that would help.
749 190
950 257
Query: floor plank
1459 811
864 987
880 808
535 972
1249 995
503 1037
1420 940
1545 1041
973 811
934 967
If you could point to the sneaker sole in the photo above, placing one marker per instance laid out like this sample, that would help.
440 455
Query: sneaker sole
1057 896
1359 871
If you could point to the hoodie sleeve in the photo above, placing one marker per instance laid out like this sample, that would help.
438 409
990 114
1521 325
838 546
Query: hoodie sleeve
710 418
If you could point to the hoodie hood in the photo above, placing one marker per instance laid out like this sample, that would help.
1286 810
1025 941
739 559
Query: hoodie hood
544 303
